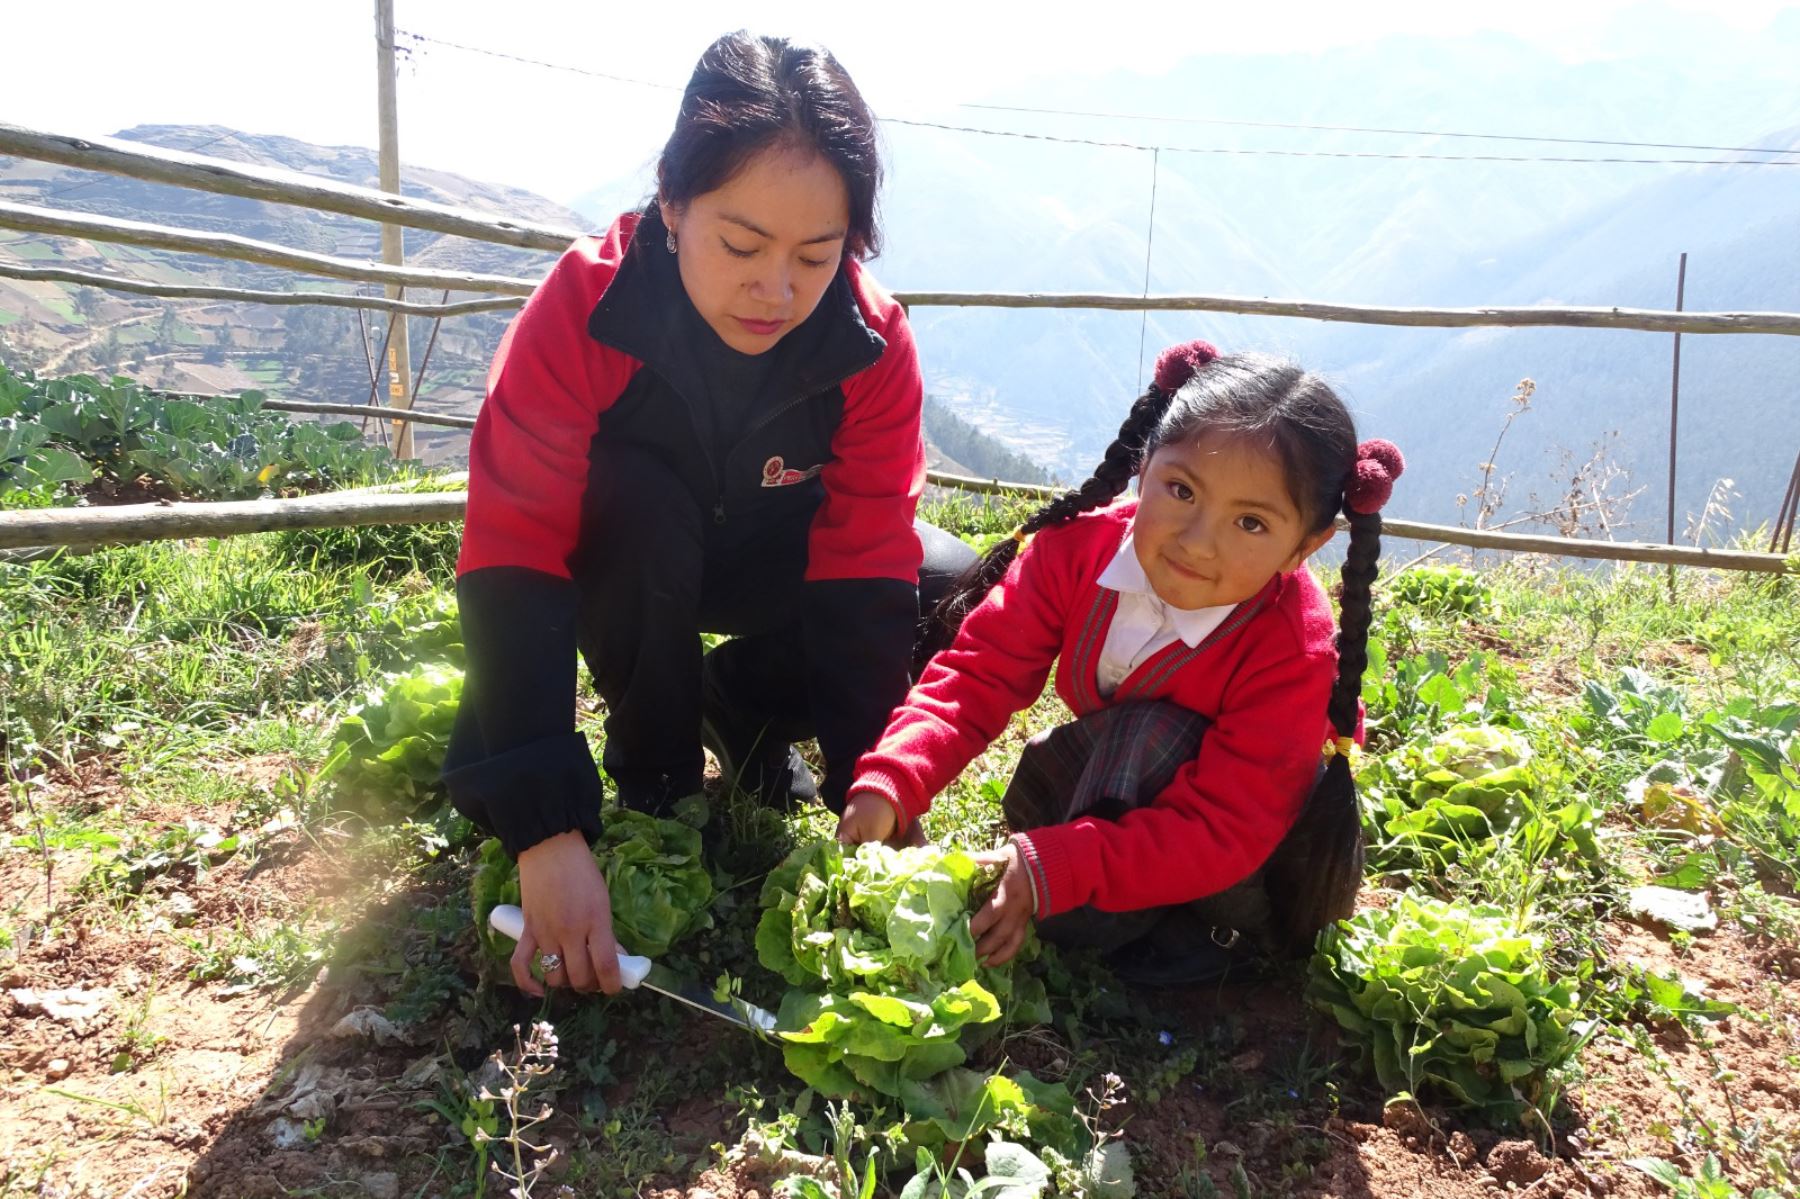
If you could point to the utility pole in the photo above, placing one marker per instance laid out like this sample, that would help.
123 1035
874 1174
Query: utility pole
1675 409
393 250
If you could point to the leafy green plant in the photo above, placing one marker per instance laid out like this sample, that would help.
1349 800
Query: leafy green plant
28 460
1732 781
1453 1002
388 754
1440 589
1454 796
1637 712
1709 1182
55 431
1637 993
411 627
189 847
660 890
1760 787
875 944
1423 694
887 1001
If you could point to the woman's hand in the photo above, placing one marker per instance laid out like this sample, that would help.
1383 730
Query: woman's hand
999 925
567 912
867 817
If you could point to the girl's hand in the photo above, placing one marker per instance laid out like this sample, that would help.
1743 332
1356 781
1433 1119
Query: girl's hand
567 912
867 817
999 925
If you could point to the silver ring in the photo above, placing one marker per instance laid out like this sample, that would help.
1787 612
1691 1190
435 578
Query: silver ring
550 963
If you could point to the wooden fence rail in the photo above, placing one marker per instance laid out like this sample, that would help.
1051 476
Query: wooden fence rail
179 291
244 249
1648 320
325 408
233 178
373 411
130 524
138 160
124 525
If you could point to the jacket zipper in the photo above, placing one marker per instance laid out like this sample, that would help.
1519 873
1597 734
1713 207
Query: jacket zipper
706 453
715 469
803 397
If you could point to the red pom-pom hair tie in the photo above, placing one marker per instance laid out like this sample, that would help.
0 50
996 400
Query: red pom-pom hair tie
1177 364
1378 464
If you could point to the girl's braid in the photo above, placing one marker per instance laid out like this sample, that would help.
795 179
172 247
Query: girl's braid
1110 478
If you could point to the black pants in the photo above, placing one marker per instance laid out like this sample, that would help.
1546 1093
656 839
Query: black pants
655 571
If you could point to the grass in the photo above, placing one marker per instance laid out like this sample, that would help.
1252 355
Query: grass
266 371
197 684
58 304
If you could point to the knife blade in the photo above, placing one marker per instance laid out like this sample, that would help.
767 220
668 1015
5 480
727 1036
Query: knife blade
635 972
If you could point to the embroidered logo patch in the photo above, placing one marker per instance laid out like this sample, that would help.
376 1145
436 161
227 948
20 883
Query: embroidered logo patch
775 473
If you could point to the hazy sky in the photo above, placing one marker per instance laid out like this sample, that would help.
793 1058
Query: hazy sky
307 70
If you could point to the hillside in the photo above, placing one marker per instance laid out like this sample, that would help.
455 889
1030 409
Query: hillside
314 353
207 346
1236 216
987 213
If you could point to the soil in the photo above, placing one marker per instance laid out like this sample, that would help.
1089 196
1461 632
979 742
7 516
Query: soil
120 1077
141 490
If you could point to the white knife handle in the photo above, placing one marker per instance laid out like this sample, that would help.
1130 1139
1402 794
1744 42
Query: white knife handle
509 920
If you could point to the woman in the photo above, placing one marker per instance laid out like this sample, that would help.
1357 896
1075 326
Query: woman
706 420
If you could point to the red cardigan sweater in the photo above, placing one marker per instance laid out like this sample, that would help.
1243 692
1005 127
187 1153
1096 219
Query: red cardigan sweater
1262 677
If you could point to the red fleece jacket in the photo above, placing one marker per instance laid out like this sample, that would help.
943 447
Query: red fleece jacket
1263 679
550 381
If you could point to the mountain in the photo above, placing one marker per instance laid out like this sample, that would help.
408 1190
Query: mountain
201 345
995 213
1263 210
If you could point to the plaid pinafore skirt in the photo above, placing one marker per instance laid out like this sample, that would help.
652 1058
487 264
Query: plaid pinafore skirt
1103 765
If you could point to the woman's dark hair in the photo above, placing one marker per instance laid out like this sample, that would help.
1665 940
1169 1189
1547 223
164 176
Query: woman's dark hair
749 93
1313 876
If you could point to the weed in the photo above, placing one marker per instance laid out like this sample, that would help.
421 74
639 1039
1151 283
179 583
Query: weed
519 1161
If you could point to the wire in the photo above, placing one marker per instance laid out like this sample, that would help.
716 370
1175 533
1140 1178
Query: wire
420 39
1501 137
1149 244
75 187
1368 154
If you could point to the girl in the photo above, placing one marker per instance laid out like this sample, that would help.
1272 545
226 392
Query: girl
706 420
1196 652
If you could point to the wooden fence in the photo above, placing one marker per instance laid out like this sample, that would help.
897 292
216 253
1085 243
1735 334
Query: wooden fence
83 528
91 527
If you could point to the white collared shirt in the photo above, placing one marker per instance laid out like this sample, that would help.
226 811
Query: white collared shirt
1143 623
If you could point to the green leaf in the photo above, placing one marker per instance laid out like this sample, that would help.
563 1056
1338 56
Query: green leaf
1021 1173
1449 999
1442 693
1662 1171
920 1186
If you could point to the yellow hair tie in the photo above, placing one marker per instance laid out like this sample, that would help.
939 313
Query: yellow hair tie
1336 746
1022 537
